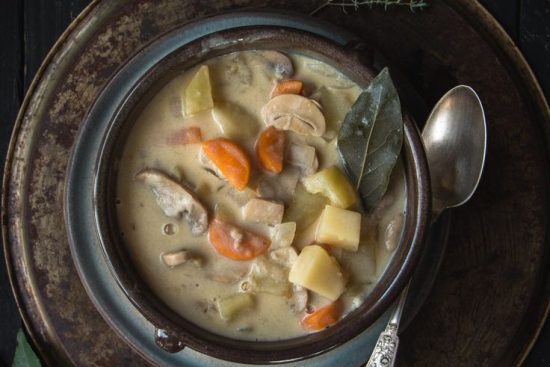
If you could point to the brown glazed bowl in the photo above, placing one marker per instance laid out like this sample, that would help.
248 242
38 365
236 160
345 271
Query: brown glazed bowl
174 332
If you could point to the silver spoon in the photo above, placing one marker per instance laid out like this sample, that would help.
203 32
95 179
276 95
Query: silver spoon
455 139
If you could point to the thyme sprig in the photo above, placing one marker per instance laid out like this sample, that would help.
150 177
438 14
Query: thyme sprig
356 4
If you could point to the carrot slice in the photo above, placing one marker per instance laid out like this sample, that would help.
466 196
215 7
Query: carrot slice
289 86
234 242
270 149
190 135
230 159
323 317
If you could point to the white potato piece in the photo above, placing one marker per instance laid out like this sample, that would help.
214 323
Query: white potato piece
198 94
263 211
339 227
319 272
267 277
230 306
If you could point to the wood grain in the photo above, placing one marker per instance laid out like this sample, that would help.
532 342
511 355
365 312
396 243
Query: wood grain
11 93
506 12
534 38
44 21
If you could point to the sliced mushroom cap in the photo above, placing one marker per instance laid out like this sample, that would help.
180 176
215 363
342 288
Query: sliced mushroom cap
175 200
279 63
295 113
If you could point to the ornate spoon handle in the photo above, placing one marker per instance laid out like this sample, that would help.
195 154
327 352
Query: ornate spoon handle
385 350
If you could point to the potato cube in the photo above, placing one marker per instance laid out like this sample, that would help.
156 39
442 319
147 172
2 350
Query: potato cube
230 306
333 184
319 272
339 227
198 94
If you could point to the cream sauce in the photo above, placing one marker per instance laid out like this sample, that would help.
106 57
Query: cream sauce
241 86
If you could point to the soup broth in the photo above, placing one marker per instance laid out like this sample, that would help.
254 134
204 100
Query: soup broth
248 298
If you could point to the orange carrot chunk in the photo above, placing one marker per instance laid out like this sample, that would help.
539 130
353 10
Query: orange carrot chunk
230 159
289 86
190 135
323 317
234 242
270 149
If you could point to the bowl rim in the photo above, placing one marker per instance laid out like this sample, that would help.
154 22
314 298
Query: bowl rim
192 336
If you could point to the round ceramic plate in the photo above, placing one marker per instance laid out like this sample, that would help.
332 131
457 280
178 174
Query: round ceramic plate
490 296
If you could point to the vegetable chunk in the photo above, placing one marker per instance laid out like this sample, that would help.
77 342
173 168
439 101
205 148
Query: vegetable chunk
289 86
270 149
230 159
333 184
230 306
339 227
198 94
319 272
283 234
189 135
234 242
323 317
263 211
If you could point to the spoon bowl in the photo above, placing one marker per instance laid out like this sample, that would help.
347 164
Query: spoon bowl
455 139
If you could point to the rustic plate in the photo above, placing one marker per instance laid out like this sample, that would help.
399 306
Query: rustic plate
491 295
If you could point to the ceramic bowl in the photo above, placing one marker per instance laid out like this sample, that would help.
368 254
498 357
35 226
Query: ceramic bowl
174 332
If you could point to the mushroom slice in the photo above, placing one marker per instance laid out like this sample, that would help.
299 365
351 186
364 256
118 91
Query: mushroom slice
295 113
171 259
174 199
279 63
303 157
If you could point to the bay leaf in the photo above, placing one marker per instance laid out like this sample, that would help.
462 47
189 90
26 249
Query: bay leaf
24 355
370 138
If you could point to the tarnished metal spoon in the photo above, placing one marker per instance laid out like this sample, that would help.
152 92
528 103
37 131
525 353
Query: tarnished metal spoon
455 139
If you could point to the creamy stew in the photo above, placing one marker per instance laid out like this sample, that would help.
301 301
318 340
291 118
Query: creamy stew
233 203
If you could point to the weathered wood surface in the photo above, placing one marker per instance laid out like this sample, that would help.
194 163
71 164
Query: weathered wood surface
29 28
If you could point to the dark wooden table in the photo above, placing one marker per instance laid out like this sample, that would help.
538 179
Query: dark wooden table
28 28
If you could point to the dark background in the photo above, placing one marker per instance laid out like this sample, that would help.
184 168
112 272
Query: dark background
28 28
